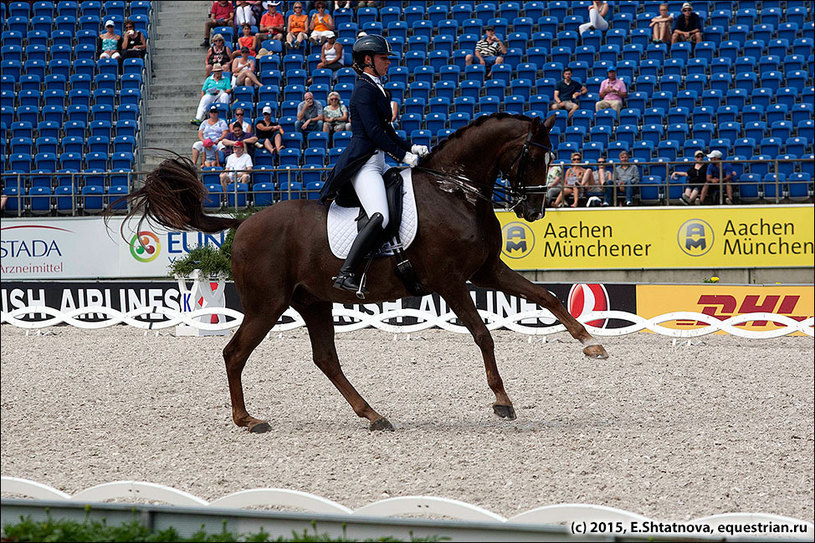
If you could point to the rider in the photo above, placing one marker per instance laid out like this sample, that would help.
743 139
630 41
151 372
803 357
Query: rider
360 167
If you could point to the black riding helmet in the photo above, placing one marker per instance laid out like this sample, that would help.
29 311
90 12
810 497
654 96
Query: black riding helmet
372 44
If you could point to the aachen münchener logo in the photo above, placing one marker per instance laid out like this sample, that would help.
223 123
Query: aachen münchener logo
695 237
519 240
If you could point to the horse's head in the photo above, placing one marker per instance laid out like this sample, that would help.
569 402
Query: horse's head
527 172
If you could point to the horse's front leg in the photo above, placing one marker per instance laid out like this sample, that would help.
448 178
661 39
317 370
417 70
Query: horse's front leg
320 324
500 277
458 298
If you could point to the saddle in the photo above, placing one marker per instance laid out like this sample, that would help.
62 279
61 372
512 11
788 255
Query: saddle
393 192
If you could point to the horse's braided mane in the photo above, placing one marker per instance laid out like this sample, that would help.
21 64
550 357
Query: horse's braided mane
477 122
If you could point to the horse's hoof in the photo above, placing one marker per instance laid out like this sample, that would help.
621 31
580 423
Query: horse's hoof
259 427
504 411
381 425
595 351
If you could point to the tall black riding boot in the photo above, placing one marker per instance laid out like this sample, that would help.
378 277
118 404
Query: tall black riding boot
365 241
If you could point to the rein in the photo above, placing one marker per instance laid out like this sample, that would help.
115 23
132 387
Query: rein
510 197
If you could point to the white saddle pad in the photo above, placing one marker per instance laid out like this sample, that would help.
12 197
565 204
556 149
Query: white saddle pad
342 224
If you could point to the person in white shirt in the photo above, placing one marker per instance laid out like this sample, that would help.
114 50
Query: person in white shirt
238 160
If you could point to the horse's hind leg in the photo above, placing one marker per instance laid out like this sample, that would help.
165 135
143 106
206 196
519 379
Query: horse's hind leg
320 324
249 335
458 298
501 277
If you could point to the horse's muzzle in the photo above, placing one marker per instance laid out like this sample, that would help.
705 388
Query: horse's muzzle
528 212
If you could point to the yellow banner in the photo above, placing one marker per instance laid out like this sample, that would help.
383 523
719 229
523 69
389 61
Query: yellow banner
724 301
680 237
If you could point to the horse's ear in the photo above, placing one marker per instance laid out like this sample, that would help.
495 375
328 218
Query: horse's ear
536 125
550 121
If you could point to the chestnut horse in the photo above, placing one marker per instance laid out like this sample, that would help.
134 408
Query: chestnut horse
281 255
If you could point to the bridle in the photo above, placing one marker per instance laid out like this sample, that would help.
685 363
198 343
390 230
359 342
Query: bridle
511 196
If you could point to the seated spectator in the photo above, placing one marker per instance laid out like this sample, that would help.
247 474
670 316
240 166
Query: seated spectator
598 185
244 14
567 93
554 184
239 161
216 88
343 4
220 14
309 114
612 92
597 12
688 27
697 177
219 53
247 39
243 70
573 179
271 26
213 129
394 115
728 177
211 158
134 44
235 136
240 118
298 27
270 134
661 25
335 115
321 24
331 53
109 42
626 177
488 50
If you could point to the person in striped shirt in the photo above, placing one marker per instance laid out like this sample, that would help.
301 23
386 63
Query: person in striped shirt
488 50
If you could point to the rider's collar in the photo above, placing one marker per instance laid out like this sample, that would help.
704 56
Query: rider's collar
376 80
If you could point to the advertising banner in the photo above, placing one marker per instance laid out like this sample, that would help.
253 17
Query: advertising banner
85 248
725 301
662 238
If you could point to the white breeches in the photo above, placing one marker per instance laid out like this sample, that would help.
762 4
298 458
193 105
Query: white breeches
370 187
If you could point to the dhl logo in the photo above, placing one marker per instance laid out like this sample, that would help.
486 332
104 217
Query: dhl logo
724 306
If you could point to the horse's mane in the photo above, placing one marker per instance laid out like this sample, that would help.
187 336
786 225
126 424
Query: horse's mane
477 122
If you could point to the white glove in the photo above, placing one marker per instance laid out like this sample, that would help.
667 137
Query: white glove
411 160
420 150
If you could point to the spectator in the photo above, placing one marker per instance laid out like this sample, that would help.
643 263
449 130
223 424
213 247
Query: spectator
697 176
394 115
488 50
554 184
367 4
626 177
573 181
728 177
240 118
219 53
243 70
239 161
567 92
244 14
235 136
271 26
321 23
598 185
213 129
220 14
298 26
247 39
210 154
343 4
109 42
612 92
331 53
216 88
270 134
309 114
597 12
335 115
688 27
134 44
661 25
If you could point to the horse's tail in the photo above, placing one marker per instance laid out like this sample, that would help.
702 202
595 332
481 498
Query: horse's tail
173 196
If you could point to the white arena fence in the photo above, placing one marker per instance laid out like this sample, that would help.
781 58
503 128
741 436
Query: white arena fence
390 321
557 522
